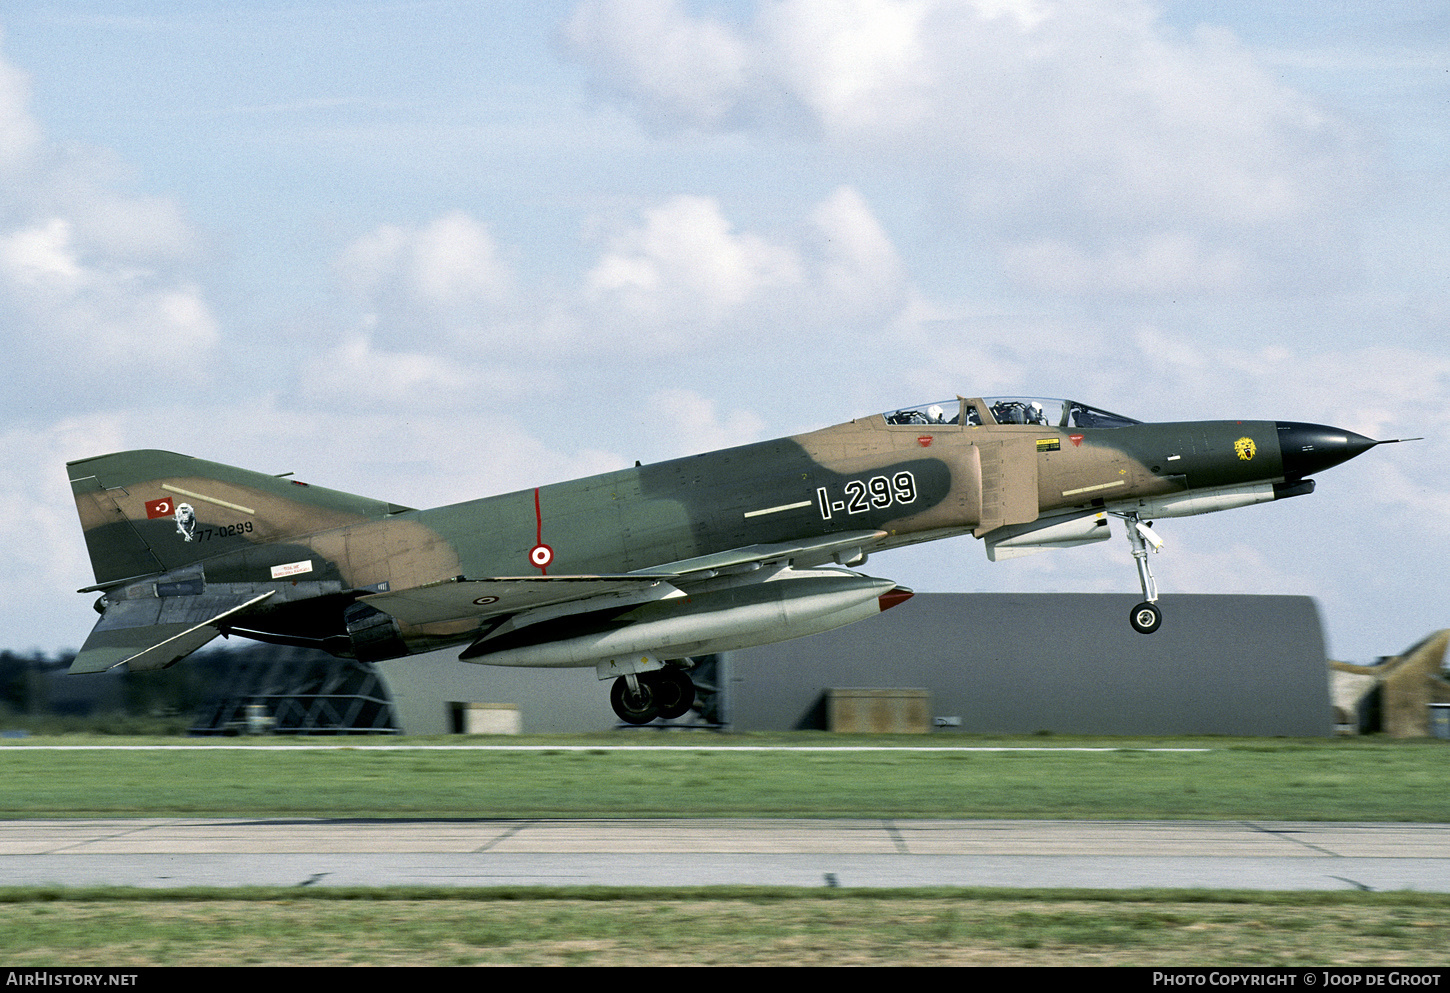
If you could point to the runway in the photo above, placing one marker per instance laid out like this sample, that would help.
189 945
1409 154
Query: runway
1260 855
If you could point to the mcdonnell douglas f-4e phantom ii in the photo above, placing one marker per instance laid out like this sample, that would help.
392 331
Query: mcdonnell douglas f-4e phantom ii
633 572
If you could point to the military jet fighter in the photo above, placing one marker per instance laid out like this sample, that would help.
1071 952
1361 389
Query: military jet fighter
635 572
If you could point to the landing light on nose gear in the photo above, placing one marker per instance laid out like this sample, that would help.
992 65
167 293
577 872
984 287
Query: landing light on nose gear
1146 617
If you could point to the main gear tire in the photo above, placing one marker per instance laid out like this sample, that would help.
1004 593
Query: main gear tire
634 706
674 692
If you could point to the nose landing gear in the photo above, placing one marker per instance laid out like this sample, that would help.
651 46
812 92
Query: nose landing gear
1145 617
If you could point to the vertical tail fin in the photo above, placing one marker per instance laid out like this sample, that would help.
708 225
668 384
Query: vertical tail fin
149 512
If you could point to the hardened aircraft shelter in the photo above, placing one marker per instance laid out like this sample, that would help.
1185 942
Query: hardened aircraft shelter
992 663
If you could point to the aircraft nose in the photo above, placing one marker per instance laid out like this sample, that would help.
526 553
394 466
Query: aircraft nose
1308 448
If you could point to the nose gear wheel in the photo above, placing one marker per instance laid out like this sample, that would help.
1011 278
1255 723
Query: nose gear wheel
1146 618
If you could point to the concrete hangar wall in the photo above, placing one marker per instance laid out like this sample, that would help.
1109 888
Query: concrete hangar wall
1019 663
1000 663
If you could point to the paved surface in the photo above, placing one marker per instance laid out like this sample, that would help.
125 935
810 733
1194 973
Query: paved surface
1096 854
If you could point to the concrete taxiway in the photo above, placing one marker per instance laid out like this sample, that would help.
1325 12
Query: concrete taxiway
162 852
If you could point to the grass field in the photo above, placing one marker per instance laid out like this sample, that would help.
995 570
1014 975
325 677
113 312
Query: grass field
591 776
719 926
1281 779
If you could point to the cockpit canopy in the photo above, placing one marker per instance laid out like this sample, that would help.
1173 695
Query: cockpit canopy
1008 410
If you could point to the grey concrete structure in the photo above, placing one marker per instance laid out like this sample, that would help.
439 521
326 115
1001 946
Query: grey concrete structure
1015 663
550 701
1000 663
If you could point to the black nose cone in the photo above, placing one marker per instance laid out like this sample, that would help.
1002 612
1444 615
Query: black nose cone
1308 448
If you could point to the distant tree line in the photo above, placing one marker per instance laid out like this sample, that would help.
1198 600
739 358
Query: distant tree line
20 676
37 693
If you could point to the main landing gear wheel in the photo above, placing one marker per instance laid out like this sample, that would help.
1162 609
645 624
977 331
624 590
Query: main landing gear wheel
636 704
1146 618
674 691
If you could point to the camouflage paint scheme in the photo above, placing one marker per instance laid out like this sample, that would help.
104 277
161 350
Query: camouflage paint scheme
732 548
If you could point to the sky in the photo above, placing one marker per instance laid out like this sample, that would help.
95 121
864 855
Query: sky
432 251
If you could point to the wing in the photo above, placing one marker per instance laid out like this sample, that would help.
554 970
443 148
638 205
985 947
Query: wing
455 598
512 595
154 632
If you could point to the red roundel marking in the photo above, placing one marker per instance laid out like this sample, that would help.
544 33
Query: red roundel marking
541 555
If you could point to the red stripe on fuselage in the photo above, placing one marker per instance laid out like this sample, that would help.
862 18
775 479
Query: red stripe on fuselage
539 536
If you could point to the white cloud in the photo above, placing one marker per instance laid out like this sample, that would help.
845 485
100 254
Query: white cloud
685 260
1379 391
144 229
695 423
95 317
20 135
1164 262
1102 150
685 267
859 269
42 534
41 258
356 374
857 65
676 277
449 264
95 284
681 69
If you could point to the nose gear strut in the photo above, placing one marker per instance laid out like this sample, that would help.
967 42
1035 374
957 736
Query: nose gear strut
1145 617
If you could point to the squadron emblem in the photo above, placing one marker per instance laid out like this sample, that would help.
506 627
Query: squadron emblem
1245 448
185 521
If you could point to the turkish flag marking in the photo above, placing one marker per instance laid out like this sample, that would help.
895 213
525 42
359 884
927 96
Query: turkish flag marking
159 508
